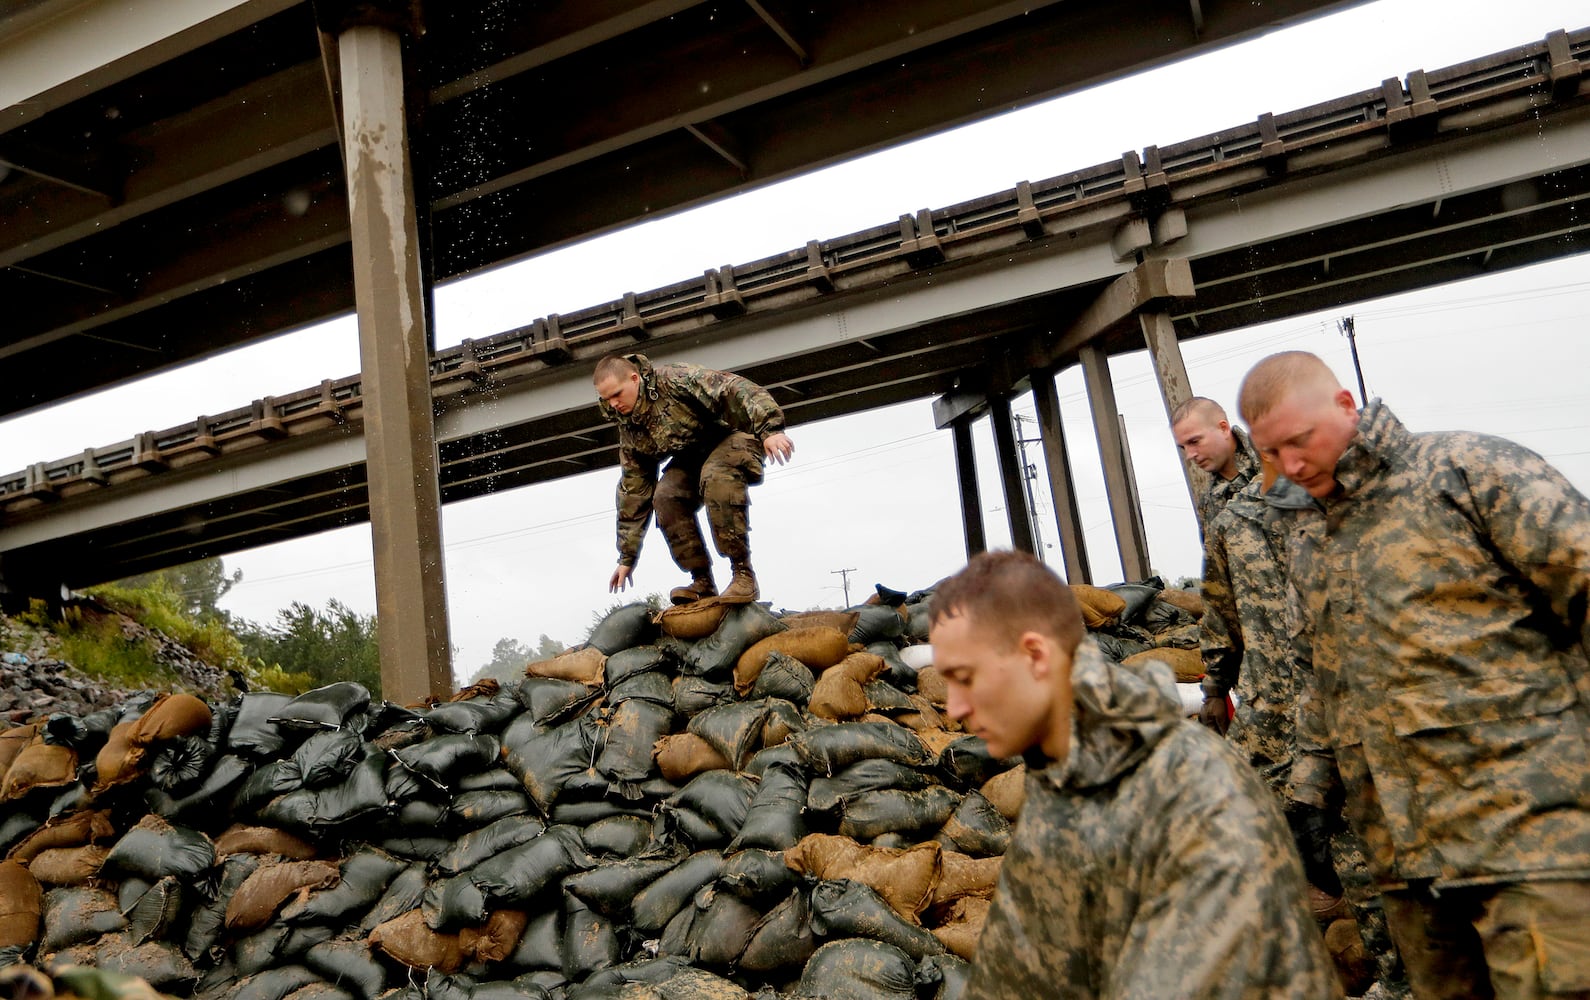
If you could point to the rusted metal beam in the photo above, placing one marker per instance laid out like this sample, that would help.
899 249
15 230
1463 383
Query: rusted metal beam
1149 284
966 477
1012 474
1129 539
1175 388
1062 491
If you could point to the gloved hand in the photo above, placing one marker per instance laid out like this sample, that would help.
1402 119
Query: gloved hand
1311 832
1216 714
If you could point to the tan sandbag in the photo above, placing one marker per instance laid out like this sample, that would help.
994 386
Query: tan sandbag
817 646
1353 962
171 717
843 621
1100 607
68 865
408 940
583 665
21 906
82 827
930 684
241 839
840 692
1189 601
39 765
500 936
777 729
904 877
963 875
118 761
12 742
486 687
937 739
925 717
257 899
962 926
695 620
1007 790
1187 664
682 756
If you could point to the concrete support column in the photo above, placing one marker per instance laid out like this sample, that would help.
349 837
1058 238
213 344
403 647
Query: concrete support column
971 497
1129 536
399 433
1012 474
1174 386
1062 491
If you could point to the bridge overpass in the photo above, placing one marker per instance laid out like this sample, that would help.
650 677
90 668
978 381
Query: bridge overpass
1441 176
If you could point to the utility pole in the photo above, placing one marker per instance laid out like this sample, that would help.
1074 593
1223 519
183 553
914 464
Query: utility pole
844 576
1029 472
1344 326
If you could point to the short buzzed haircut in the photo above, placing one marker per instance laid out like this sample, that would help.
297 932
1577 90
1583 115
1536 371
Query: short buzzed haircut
1280 376
613 365
1007 594
1202 406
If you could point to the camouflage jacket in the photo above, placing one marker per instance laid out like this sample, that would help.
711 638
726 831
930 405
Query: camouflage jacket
1450 680
680 407
1221 491
1249 628
1150 863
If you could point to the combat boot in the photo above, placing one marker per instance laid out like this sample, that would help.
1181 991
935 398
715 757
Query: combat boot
742 588
699 587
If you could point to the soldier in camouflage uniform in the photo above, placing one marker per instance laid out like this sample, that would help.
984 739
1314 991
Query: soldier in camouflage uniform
714 428
1207 439
1450 681
1148 860
1254 642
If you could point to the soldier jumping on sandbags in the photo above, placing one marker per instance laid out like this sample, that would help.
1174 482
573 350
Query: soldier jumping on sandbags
714 428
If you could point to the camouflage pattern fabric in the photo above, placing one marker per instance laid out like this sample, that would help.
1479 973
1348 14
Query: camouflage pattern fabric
1247 632
1521 941
687 411
719 479
1221 491
1150 863
1450 681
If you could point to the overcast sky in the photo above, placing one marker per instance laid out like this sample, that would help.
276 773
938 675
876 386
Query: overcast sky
875 494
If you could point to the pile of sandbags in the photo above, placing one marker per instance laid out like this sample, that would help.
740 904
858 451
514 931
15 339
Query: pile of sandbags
717 801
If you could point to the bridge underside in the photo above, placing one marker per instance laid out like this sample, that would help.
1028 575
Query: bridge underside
1452 174
171 188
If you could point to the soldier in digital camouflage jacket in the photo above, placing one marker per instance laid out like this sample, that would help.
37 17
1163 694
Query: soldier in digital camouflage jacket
1246 633
1449 683
1254 642
1449 598
1150 863
713 429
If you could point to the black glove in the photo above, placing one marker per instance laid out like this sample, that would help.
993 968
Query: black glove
1216 714
1311 832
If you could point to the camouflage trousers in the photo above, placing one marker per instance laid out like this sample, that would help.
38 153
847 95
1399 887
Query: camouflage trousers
717 478
1514 941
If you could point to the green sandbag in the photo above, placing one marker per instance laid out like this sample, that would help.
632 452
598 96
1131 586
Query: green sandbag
858 969
829 749
892 810
843 908
742 627
783 938
775 819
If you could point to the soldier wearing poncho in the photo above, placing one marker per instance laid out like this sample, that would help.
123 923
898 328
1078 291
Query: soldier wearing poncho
713 428
1149 861
1448 596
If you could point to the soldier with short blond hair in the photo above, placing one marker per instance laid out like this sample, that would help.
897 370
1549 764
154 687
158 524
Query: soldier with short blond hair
1449 598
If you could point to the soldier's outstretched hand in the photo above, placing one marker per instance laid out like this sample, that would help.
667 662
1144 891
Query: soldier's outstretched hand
620 579
779 447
